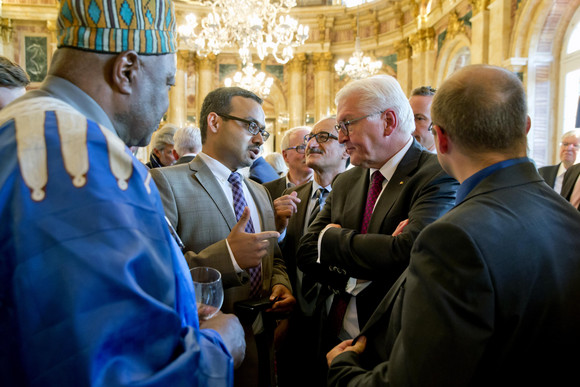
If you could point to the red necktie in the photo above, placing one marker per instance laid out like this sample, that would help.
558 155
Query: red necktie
373 194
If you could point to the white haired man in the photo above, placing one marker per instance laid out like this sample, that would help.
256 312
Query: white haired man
187 144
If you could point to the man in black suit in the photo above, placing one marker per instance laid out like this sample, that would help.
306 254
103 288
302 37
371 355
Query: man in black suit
293 152
295 210
358 256
569 146
491 294
571 186
187 144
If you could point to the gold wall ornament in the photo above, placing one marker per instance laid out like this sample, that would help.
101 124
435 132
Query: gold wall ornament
454 25
479 5
321 28
423 40
6 30
206 63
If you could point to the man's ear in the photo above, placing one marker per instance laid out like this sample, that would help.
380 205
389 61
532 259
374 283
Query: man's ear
213 122
126 68
175 155
441 138
156 152
528 124
390 120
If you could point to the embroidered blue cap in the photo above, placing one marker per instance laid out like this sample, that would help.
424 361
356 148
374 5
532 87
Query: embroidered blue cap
146 26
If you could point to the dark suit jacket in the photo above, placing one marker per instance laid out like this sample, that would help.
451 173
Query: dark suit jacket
184 160
549 174
276 187
419 190
490 296
262 172
570 178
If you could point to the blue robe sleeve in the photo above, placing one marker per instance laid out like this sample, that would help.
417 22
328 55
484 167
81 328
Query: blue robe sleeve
93 290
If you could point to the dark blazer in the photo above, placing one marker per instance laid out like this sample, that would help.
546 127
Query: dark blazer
184 160
570 178
419 190
549 173
276 187
262 172
490 296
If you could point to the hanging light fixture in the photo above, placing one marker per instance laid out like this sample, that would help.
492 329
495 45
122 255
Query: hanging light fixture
359 66
249 80
246 24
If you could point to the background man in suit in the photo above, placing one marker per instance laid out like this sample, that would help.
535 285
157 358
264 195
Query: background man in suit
355 236
295 210
202 201
13 81
421 99
187 144
293 151
569 146
490 296
571 186
261 171
162 153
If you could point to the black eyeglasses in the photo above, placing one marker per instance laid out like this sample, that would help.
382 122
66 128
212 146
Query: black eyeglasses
430 128
567 144
253 127
343 125
298 148
320 137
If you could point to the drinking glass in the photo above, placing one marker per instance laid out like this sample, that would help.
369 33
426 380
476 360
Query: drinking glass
209 293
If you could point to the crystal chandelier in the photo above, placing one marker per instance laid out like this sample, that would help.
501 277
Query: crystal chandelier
359 66
246 24
247 79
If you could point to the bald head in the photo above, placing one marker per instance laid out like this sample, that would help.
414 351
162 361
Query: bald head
483 109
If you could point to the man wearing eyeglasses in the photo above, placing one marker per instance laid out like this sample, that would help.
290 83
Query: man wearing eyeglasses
227 222
293 151
569 146
421 99
350 246
295 210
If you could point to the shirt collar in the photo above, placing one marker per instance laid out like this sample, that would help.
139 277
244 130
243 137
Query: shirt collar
315 187
220 171
388 169
472 181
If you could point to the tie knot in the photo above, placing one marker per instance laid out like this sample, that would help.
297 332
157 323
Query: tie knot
320 192
235 178
378 178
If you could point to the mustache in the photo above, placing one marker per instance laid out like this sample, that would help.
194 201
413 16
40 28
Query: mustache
313 150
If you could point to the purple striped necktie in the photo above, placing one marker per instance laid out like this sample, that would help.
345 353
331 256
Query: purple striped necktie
239 204
374 191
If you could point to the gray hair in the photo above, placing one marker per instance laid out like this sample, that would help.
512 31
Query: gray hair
483 108
164 136
12 75
286 138
276 160
423 91
378 93
571 133
187 140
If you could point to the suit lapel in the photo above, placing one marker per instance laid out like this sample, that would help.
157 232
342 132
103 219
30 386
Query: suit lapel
355 199
207 180
394 187
304 193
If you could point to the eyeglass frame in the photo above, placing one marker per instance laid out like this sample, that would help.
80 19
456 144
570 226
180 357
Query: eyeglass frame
301 149
262 130
430 128
316 136
344 124
567 144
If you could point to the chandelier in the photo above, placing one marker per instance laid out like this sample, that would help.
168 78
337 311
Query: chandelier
247 79
246 24
359 66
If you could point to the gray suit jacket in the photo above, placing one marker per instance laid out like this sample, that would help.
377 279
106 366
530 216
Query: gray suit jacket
488 297
202 216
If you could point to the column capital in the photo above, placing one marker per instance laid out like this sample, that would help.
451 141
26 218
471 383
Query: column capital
403 49
479 5
6 29
206 63
297 63
423 40
322 61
